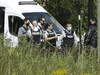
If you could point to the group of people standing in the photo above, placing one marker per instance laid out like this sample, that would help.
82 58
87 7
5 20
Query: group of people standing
48 35
67 38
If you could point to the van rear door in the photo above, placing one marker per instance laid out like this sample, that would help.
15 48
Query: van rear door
2 12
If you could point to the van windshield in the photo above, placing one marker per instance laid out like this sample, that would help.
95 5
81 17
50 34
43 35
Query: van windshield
35 16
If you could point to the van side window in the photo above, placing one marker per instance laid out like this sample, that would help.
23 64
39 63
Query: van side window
14 24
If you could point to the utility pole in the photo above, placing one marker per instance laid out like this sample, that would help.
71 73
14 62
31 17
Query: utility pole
79 24
90 12
98 21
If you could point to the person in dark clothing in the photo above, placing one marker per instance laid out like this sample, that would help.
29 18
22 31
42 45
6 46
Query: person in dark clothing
91 35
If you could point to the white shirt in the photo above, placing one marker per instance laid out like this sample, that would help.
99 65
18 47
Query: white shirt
31 25
35 28
28 33
22 31
39 25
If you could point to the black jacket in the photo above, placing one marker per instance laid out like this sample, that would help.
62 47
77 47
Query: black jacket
91 36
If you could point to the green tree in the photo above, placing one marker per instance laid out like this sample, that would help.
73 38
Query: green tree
67 11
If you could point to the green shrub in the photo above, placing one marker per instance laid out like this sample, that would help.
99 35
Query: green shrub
28 60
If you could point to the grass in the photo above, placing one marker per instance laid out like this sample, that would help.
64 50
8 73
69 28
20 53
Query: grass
26 60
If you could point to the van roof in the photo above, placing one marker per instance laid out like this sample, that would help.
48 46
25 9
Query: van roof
13 5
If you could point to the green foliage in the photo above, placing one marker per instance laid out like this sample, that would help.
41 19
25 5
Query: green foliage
26 60
67 11
29 60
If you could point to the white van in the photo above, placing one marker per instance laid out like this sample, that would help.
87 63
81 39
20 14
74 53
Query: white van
12 12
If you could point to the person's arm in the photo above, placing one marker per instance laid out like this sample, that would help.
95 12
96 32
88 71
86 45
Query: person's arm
56 35
62 36
89 34
28 33
76 39
21 32
31 26
46 37
83 37
41 32
59 41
